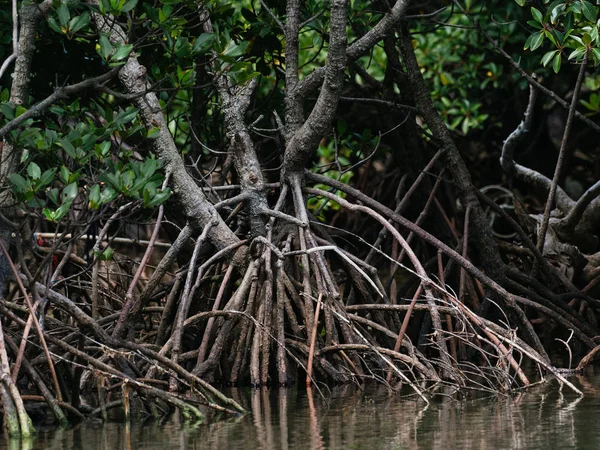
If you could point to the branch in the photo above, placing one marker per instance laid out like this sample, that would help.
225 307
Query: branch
530 176
15 39
294 104
59 94
196 207
427 237
359 47
272 14
573 219
531 80
482 234
306 139
30 15
561 155
236 101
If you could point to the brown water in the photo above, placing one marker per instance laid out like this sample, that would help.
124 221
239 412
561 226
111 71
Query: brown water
546 417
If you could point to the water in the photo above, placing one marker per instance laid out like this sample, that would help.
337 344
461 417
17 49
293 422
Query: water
544 417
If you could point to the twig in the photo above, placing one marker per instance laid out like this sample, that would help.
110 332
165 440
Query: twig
15 39
561 157
59 94
313 338
35 322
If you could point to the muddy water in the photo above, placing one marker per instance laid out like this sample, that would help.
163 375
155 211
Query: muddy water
546 417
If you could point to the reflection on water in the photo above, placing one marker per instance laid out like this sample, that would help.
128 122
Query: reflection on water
544 417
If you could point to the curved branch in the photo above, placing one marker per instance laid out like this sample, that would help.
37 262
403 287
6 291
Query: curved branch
59 94
482 234
306 139
189 195
561 156
359 47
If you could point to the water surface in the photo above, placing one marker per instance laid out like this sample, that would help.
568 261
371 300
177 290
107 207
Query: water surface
350 418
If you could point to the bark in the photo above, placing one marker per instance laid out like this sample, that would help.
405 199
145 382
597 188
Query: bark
303 143
360 47
30 15
236 100
481 233
189 195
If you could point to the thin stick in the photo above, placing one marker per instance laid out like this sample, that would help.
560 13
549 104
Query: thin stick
313 338
129 296
407 317
561 158
35 322
209 325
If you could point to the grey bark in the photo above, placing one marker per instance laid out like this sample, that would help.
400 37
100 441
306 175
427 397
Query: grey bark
30 14
189 195
305 140
359 47
236 100
481 232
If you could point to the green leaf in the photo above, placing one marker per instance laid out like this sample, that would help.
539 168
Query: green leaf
556 12
79 22
556 63
19 182
589 11
35 202
63 15
69 192
51 135
105 255
577 53
47 177
102 149
578 40
68 147
106 47
52 194
520 2
548 57
465 126
7 111
19 110
159 198
48 214
202 43
129 6
537 40
94 197
65 174
62 211
149 167
54 24
234 50
122 52
108 195
550 36
127 178
149 193
114 179
126 116
596 53
34 171
537 16
152 132
569 19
